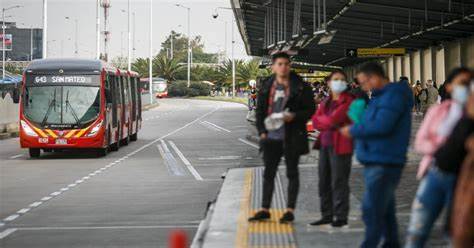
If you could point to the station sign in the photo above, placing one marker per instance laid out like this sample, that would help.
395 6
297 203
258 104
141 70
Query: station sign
373 52
8 42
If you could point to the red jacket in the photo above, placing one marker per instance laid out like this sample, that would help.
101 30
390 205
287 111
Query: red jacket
323 120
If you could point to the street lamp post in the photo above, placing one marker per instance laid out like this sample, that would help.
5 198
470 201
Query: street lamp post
189 41
150 59
97 30
233 48
129 64
45 29
3 38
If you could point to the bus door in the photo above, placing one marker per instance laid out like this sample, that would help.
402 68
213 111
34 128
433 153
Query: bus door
109 106
133 92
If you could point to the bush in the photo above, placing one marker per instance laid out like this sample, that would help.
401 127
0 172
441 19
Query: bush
180 89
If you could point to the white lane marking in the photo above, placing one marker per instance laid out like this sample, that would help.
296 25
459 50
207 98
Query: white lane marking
104 227
220 158
35 204
186 161
46 198
249 143
170 160
54 194
2 224
210 126
16 156
217 126
23 210
11 217
7 232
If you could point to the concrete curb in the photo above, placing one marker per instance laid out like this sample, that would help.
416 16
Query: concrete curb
9 135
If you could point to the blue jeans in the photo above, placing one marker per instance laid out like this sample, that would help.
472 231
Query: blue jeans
378 206
434 193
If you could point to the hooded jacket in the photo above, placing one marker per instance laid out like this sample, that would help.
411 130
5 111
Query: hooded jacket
300 102
383 134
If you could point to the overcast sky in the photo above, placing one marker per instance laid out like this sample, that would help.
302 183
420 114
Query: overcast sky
166 17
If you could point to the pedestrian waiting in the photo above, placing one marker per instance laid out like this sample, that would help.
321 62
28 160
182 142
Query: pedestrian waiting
381 142
284 106
335 152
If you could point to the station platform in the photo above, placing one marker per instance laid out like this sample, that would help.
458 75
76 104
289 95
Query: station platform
240 197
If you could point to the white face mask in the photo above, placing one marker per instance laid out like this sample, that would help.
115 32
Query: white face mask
460 94
338 86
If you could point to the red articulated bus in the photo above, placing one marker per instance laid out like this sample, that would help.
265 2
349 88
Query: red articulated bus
78 104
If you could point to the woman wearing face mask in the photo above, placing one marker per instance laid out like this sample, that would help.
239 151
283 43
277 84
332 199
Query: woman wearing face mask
436 188
335 152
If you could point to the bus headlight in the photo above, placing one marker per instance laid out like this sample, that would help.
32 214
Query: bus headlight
27 129
95 129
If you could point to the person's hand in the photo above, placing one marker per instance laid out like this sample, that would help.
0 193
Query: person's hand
346 131
470 107
288 117
263 136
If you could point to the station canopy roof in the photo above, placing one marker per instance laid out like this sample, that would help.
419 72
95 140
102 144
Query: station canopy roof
322 31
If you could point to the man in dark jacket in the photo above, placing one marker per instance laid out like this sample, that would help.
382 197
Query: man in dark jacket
381 141
284 106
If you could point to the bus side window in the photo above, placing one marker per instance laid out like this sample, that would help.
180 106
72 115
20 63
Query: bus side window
133 92
108 90
120 89
113 90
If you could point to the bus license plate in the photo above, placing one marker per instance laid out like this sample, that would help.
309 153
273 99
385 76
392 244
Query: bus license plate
61 141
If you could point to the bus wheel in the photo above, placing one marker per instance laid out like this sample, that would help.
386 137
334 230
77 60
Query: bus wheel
134 137
34 152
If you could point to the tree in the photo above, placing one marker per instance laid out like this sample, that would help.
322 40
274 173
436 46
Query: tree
250 71
141 66
120 62
180 49
166 68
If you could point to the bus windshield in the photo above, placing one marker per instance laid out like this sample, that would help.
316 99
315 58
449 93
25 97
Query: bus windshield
62 106
159 86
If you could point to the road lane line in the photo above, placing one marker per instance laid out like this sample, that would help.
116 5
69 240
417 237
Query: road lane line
11 217
56 193
35 204
47 228
249 143
186 162
16 156
7 232
210 126
170 161
46 198
217 126
23 210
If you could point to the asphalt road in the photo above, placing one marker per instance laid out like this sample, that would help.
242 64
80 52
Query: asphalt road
131 198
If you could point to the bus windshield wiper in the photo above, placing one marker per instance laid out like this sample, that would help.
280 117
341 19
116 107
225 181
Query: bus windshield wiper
50 106
73 112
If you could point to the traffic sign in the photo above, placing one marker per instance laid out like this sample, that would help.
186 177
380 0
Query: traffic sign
374 52
352 53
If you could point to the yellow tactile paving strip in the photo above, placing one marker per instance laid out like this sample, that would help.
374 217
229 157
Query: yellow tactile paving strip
242 223
246 231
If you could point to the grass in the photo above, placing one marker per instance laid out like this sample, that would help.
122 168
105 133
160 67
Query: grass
240 100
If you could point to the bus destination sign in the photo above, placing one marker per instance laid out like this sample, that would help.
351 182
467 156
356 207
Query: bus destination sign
64 79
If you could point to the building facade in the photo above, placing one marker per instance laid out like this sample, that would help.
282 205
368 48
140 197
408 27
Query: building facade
26 43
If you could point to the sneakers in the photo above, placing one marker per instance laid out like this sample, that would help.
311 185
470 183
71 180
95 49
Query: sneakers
287 217
339 223
260 216
323 221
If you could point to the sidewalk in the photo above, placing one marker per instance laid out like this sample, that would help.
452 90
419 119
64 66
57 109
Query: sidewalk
240 197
